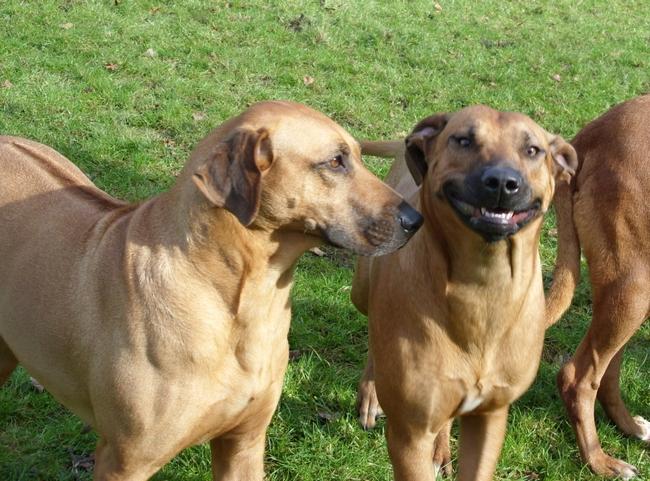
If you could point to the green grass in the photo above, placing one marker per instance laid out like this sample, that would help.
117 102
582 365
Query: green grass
378 67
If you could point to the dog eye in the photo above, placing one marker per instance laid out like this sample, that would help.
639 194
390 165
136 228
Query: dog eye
463 141
335 163
532 151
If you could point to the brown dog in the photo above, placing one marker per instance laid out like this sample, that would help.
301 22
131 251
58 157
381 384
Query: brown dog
457 316
605 210
164 324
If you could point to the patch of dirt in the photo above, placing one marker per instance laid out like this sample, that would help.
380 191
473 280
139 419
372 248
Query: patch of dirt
339 257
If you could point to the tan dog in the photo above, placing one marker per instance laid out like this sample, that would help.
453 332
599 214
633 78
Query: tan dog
164 324
606 211
457 316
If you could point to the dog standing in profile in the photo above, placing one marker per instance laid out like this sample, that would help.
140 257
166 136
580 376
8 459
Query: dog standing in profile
456 318
164 324
605 211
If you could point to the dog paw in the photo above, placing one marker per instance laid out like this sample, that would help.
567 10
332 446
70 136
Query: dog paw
442 457
437 473
610 467
368 405
644 426
442 471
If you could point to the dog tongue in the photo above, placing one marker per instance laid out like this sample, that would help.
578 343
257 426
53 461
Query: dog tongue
519 216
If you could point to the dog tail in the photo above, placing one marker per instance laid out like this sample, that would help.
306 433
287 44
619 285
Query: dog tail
380 148
566 274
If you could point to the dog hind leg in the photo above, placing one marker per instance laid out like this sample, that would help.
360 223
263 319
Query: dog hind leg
442 451
8 362
609 395
368 406
619 310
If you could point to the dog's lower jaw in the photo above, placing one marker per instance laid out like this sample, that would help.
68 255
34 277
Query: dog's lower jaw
492 225
372 241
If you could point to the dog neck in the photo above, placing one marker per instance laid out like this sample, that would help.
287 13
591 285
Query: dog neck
498 275
209 244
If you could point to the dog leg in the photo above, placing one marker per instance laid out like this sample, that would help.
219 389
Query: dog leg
238 457
367 403
442 451
410 453
481 439
7 362
110 465
619 310
609 395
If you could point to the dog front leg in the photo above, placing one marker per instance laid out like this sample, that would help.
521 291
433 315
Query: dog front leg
238 457
112 463
410 453
481 439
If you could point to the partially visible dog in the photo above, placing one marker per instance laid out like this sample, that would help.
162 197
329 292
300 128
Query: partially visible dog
605 210
457 316
164 324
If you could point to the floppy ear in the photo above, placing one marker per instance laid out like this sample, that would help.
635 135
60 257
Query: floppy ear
231 177
417 142
565 158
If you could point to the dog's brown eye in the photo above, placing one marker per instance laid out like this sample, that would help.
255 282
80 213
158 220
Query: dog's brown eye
335 163
463 141
532 151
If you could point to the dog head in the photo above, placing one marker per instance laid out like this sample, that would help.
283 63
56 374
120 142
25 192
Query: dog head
283 166
496 171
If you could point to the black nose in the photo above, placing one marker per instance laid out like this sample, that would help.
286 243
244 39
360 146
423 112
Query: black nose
502 181
409 218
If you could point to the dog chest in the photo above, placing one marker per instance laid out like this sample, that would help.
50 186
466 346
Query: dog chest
470 403
485 395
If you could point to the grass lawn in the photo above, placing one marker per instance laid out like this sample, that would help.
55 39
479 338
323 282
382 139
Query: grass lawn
126 88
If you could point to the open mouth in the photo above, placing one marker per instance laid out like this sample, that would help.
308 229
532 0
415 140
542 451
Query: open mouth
493 223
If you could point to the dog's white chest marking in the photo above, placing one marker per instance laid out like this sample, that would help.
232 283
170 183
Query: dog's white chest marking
473 398
471 402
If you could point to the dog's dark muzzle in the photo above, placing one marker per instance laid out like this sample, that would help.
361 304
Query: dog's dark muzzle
498 187
495 201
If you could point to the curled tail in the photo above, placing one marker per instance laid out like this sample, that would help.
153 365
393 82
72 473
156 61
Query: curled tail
380 148
566 274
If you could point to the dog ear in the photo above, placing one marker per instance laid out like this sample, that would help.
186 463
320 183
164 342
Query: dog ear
565 158
231 177
418 141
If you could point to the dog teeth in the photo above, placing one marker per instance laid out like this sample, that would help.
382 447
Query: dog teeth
497 215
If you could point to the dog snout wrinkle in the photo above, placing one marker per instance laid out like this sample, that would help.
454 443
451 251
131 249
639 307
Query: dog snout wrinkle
379 232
